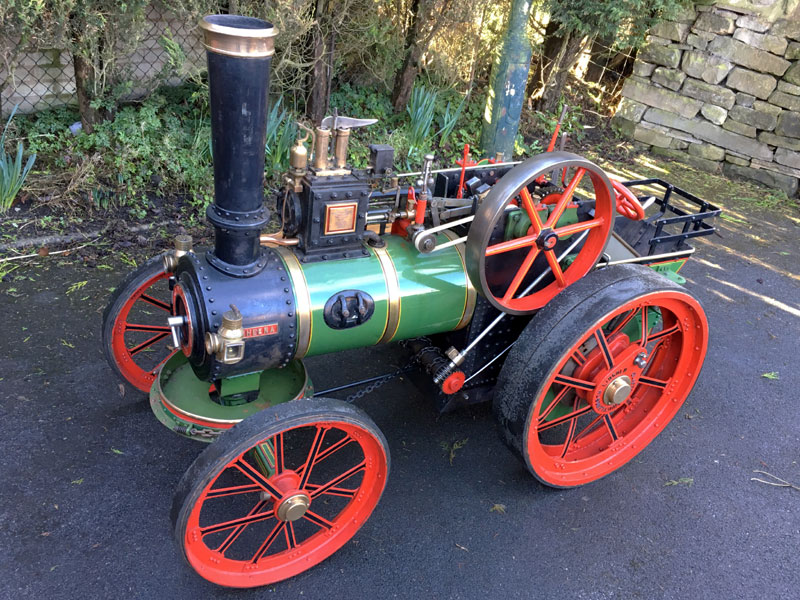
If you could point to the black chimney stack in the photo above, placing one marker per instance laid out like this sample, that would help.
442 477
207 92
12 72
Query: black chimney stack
239 51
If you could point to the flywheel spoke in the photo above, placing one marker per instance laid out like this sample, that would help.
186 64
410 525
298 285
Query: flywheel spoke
533 214
521 273
565 199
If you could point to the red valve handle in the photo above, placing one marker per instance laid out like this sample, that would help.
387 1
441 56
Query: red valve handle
627 203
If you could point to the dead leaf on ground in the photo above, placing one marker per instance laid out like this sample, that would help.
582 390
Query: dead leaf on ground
498 508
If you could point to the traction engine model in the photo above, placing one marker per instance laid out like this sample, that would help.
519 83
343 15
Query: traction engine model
543 286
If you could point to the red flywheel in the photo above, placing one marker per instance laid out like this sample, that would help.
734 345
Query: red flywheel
522 273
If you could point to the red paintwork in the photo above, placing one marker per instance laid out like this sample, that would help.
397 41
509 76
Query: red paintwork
261 562
598 227
133 373
627 203
453 383
588 451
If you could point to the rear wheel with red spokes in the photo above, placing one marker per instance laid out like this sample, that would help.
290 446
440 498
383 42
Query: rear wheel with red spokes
520 274
136 337
280 492
599 373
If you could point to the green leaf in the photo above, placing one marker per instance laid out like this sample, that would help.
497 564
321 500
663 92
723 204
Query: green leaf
771 375
687 481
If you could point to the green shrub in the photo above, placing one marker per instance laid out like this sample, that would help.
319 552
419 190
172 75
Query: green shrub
12 171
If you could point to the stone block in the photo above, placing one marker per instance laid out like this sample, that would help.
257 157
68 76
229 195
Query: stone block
759 85
696 41
792 51
788 124
701 164
793 74
643 92
714 23
624 127
758 164
715 114
770 43
657 40
774 180
745 99
643 69
779 140
785 100
753 23
740 128
669 78
762 116
789 88
709 132
685 14
701 65
707 151
666 56
677 144
736 160
670 30
788 28
707 92
747 56
631 110
788 158
652 135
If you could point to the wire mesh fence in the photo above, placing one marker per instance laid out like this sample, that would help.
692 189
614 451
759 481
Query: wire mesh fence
40 77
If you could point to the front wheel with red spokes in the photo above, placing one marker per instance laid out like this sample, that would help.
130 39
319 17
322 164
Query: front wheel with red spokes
280 492
136 337
598 374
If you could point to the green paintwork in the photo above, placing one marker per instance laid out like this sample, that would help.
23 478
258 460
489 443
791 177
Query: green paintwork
433 289
235 390
329 277
670 270
519 222
184 390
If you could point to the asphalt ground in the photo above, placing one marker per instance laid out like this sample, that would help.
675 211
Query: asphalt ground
88 473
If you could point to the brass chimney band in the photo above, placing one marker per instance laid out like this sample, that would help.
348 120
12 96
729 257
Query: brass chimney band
254 39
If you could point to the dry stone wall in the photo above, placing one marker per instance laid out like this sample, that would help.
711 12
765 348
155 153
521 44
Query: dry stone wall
719 88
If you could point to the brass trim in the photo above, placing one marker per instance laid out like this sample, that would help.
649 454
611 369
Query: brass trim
393 295
302 298
472 295
241 42
341 140
332 217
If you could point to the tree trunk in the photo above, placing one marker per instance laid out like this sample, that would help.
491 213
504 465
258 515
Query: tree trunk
550 48
83 87
322 70
404 79
554 75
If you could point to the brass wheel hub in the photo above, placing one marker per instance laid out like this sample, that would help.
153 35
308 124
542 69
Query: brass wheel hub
293 507
617 391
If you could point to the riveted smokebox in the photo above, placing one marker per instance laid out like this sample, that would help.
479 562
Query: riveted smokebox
239 52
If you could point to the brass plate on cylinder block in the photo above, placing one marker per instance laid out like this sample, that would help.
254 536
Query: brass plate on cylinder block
340 218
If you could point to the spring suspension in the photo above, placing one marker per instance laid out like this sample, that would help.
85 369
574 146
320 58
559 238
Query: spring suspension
431 358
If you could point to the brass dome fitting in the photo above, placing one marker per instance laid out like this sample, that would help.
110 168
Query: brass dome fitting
228 342
183 245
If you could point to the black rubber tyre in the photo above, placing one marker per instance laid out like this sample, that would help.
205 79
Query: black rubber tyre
541 355
135 282
281 422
